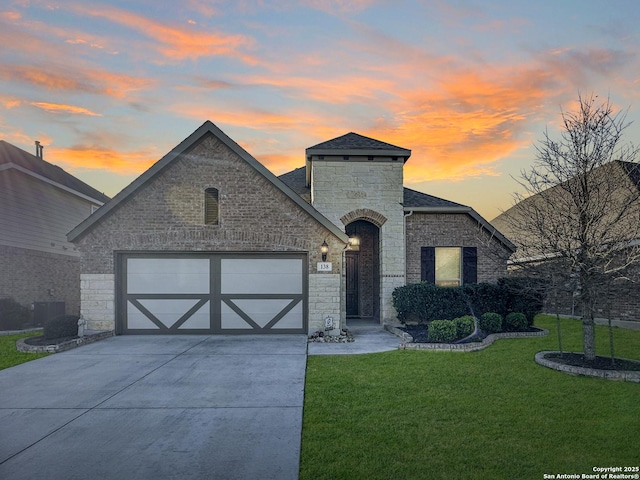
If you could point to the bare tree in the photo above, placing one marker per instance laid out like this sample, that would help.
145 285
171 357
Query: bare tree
578 221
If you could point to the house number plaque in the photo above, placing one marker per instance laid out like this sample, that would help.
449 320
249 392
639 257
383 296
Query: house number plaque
324 266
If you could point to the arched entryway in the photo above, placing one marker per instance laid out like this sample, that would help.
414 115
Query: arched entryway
363 271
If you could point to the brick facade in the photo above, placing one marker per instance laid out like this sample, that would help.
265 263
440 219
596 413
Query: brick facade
33 276
453 230
167 214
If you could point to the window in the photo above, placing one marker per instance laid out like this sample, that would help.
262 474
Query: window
211 206
449 266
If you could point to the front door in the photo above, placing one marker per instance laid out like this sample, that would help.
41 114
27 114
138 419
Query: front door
353 298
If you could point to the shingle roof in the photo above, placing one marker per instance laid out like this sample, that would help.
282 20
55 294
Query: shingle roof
296 180
356 144
413 198
11 154
633 171
355 141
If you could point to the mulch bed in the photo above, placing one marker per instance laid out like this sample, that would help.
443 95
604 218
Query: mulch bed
40 341
600 363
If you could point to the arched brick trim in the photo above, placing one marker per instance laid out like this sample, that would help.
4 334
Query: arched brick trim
364 214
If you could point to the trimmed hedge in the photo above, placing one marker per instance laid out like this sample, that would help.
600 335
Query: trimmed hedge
515 322
423 302
13 316
442 331
61 326
464 326
490 322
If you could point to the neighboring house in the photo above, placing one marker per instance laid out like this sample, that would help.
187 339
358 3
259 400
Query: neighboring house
620 301
39 204
210 241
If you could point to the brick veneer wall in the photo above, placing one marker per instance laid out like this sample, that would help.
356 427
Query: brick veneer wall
453 230
33 276
167 214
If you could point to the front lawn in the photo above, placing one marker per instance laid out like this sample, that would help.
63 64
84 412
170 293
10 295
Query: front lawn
491 414
9 356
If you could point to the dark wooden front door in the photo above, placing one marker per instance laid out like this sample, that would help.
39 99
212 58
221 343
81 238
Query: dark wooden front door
353 298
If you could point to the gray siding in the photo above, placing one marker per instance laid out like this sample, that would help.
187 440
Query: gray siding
37 216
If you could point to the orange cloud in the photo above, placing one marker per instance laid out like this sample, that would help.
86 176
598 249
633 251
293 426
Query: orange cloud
54 77
60 108
100 158
172 42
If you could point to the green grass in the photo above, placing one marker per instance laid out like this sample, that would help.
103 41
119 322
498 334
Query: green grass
492 414
9 356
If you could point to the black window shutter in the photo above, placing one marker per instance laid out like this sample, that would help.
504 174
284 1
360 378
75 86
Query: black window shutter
428 264
469 265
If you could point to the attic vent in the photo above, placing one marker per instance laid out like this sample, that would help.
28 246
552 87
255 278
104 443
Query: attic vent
211 206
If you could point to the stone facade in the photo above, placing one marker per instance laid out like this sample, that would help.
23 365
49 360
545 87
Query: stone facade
167 214
453 230
33 276
98 300
343 189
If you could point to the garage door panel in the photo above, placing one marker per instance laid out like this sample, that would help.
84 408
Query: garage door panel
137 320
261 276
213 293
168 275
294 319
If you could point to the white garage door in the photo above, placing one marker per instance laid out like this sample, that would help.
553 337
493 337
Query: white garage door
212 293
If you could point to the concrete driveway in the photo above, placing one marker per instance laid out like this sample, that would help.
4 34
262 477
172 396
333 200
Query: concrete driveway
157 407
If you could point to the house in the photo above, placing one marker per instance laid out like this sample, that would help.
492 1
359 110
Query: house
210 241
39 204
613 213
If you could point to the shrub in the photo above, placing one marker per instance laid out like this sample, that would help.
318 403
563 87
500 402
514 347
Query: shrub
491 322
464 326
442 331
424 302
13 316
524 295
61 326
515 322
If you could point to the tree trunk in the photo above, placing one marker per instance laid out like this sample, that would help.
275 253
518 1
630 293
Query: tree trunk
589 336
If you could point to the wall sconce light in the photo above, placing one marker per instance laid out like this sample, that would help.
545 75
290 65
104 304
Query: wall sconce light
324 249
354 244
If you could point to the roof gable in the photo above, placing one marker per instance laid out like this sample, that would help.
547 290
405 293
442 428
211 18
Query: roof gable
14 157
207 128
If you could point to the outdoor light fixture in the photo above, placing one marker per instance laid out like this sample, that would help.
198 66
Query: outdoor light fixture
354 244
324 249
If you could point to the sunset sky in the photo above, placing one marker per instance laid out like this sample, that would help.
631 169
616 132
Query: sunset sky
469 86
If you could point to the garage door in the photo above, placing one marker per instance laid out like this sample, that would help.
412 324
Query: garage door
211 293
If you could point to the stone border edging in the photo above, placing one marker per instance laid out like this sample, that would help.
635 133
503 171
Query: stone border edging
408 344
624 375
22 346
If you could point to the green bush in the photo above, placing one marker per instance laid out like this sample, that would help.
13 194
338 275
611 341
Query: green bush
515 322
464 326
61 326
442 331
524 295
13 316
490 322
424 302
